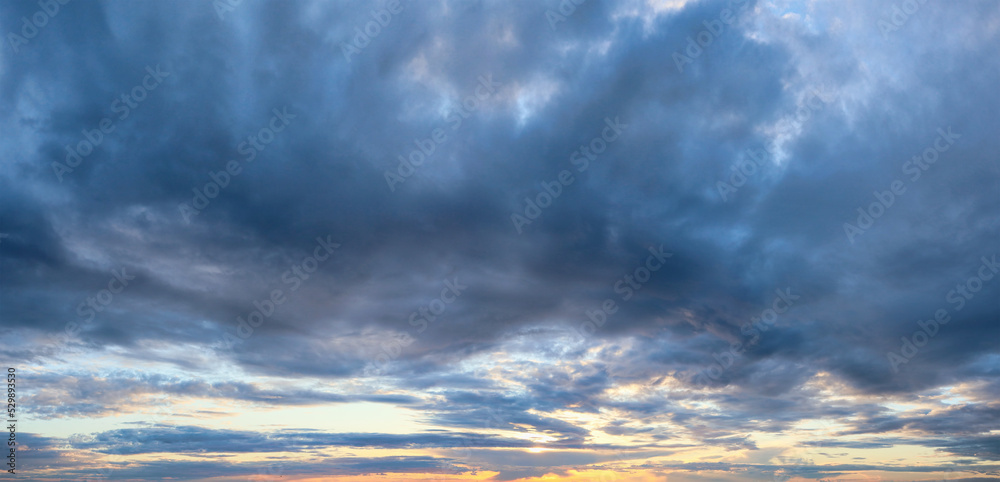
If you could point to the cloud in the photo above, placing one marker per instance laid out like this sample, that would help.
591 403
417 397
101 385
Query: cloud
686 355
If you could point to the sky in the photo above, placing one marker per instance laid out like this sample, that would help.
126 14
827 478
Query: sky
552 240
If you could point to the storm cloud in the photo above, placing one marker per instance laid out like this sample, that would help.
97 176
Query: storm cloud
744 236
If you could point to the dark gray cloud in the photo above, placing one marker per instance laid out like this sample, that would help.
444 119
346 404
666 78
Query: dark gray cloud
74 395
511 339
185 439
